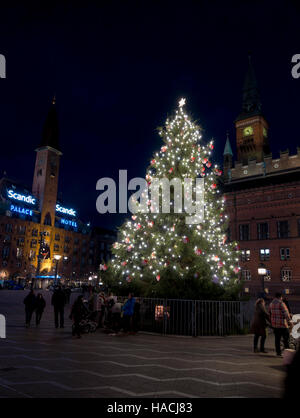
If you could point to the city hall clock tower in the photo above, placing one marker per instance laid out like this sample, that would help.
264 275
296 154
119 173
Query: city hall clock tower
251 126
45 179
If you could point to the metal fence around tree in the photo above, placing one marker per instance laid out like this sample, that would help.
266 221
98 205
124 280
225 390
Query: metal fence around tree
194 317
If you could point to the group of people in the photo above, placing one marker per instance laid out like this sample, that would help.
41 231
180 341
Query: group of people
105 310
36 303
277 317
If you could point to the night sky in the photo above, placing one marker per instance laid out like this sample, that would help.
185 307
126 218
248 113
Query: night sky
119 68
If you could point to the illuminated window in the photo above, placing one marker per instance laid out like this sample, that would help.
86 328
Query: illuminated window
34 233
47 220
264 254
246 289
245 255
286 274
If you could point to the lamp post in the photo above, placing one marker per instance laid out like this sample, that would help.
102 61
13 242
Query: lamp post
57 257
262 271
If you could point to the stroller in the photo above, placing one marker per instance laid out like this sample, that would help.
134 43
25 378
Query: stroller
87 323
294 339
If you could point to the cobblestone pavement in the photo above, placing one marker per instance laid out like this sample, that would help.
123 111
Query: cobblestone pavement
48 362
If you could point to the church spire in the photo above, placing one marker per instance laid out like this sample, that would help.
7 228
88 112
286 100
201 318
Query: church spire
227 148
251 104
50 133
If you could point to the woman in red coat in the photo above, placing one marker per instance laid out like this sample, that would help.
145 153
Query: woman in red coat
259 324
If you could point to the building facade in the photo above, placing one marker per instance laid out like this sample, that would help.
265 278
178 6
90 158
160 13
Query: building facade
263 202
40 237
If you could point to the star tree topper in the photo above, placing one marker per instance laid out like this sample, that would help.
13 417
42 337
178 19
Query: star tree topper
182 102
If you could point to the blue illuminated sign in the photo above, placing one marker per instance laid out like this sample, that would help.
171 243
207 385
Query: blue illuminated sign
21 197
68 222
70 212
18 209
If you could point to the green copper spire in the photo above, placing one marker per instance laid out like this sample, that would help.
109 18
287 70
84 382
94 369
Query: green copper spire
227 149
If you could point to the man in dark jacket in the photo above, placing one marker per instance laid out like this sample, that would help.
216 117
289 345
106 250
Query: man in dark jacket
58 301
30 305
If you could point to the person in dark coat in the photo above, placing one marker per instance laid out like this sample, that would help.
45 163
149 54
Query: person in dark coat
259 324
30 305
40 306
58 301
77 313
136 319
67 291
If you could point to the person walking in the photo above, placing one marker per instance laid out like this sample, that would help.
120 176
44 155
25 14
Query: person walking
30 305
40 307
77 313
128 310
258 327
58 301
280 320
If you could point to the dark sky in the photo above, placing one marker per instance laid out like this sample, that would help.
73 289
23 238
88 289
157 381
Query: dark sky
119 68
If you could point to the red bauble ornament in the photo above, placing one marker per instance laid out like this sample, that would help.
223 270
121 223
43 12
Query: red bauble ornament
205 160
124 263
213 186
171 170
145 262
208 164
198 251
185 240
158 277
153 162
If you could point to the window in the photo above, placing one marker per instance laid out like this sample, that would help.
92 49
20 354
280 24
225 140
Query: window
33 243
263 230
22 229
5 252
56 247
47 220
19 252
7 238
283 229
57 237
67 239
20 242
66 248
245 255
246 275
284 253
264 254
32 255
8 228
244 232
34 233
246 289
286 275
267 277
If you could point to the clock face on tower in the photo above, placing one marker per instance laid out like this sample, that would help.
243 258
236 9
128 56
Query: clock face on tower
248 131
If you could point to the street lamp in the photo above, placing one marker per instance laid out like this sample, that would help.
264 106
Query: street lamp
57 257
262 271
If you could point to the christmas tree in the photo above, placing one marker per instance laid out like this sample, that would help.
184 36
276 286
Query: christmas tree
154 246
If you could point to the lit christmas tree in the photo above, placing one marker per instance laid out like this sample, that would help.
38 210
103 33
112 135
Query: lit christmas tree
154 246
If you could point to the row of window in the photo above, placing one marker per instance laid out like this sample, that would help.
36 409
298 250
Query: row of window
285 275
283 230
264 254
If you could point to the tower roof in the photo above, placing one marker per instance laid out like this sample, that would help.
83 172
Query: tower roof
50 133
251 104
227 149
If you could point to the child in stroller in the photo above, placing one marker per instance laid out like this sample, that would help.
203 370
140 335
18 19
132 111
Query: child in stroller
83 322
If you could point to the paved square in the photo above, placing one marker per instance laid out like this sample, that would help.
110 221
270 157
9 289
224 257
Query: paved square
48 362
